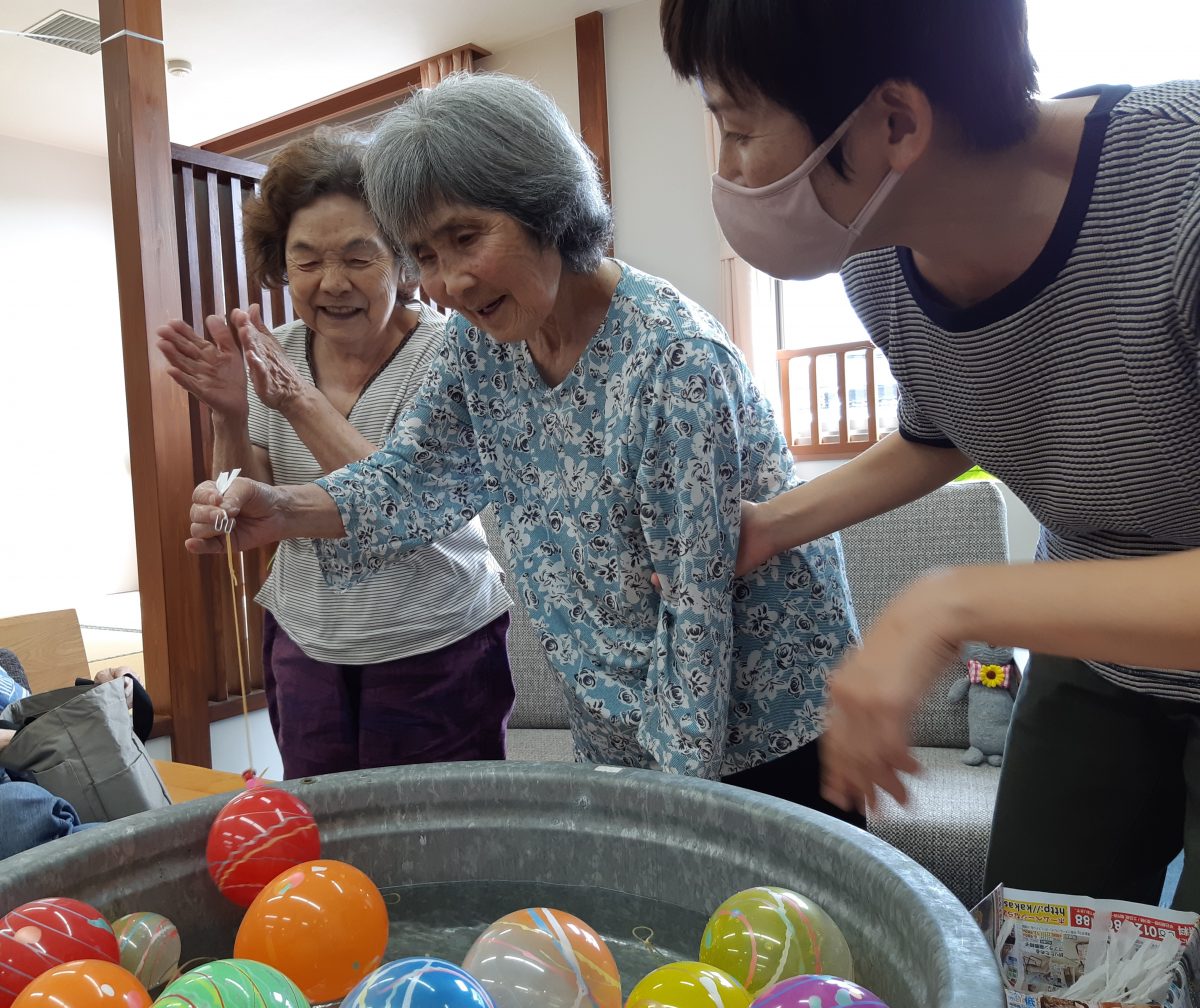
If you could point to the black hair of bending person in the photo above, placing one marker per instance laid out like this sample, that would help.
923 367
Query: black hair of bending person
820 59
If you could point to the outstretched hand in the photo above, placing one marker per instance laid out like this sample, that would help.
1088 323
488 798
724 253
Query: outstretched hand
875 691
210 369
275 377
754 544
254 507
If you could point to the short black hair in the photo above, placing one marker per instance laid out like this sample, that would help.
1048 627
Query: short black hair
820 59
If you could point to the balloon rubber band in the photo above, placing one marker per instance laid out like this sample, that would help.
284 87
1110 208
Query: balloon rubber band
645 935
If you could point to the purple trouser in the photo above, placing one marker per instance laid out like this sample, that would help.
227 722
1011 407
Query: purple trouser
445 705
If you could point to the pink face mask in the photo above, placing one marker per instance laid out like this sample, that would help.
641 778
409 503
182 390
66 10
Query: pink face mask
782 229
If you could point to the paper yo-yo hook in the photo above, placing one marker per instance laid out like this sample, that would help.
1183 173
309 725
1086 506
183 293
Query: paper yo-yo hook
224 523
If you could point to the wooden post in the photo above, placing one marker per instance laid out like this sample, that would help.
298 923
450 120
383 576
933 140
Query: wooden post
178 646
593 90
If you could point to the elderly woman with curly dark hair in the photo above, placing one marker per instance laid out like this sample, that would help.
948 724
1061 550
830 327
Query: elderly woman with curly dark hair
615 429
412 666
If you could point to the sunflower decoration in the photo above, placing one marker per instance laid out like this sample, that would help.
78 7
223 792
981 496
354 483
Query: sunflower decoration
992 676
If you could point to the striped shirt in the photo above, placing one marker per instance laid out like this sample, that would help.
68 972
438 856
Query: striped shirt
1078 385
422 602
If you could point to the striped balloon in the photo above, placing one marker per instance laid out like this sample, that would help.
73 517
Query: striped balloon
817 992
232 983
260 833
150 947
547 957
764 935
45 933
419 983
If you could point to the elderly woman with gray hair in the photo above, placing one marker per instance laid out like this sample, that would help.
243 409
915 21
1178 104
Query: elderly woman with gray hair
615 429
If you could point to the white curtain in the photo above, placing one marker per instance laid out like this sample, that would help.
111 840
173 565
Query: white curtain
440 67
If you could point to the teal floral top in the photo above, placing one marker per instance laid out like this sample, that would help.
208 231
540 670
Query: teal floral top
635 463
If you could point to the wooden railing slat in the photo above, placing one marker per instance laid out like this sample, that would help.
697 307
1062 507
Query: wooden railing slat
843 446
813 402
872 402
236 251
187 180
843 400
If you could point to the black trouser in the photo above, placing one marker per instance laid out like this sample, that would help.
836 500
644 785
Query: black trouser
795 777
1099 791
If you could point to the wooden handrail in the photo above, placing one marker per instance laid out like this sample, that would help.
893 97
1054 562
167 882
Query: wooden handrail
822 351
844 442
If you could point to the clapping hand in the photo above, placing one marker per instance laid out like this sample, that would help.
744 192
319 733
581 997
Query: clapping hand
210 369
275 377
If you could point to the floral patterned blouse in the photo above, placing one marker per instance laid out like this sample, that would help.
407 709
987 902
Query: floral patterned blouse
635 463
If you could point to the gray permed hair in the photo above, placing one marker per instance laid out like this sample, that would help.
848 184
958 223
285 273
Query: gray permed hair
491 141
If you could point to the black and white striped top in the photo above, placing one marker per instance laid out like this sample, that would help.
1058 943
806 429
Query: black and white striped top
419 602
1078 385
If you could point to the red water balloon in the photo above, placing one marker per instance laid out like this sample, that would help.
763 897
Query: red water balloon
258 834
45 933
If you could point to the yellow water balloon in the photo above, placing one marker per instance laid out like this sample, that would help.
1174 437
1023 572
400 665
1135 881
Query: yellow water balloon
688 985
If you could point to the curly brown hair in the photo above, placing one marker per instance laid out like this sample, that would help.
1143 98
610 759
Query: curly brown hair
320 164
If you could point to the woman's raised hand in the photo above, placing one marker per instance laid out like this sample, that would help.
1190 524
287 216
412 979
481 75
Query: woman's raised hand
210 369
275 377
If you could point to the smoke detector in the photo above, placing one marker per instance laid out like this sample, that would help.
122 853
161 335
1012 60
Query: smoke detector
179 67
68 31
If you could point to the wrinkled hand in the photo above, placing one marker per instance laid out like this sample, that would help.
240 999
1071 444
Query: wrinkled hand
124 672
275 377
875 692
255 506
210 369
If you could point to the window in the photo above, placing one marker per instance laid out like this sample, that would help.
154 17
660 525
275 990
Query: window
832 389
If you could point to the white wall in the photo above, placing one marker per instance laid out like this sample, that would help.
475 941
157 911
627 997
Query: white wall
660 174
548 61
228 740
656 125
66 506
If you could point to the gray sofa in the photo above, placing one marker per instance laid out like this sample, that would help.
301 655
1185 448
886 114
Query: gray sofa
946 824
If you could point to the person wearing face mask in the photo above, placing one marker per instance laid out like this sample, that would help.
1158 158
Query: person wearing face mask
1031 269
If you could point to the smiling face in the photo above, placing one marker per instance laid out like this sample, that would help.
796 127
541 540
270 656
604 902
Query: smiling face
486 266
341 274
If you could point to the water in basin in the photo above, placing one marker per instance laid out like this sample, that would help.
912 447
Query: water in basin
443 919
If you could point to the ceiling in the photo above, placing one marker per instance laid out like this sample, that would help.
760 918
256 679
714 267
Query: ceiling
250 60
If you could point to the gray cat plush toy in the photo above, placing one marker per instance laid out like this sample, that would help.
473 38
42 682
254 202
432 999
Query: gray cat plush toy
990 688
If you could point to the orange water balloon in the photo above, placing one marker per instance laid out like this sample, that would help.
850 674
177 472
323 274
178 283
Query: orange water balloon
84 983
323 924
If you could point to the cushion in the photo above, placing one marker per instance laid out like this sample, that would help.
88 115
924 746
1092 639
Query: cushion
540 745
947 822
961 523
